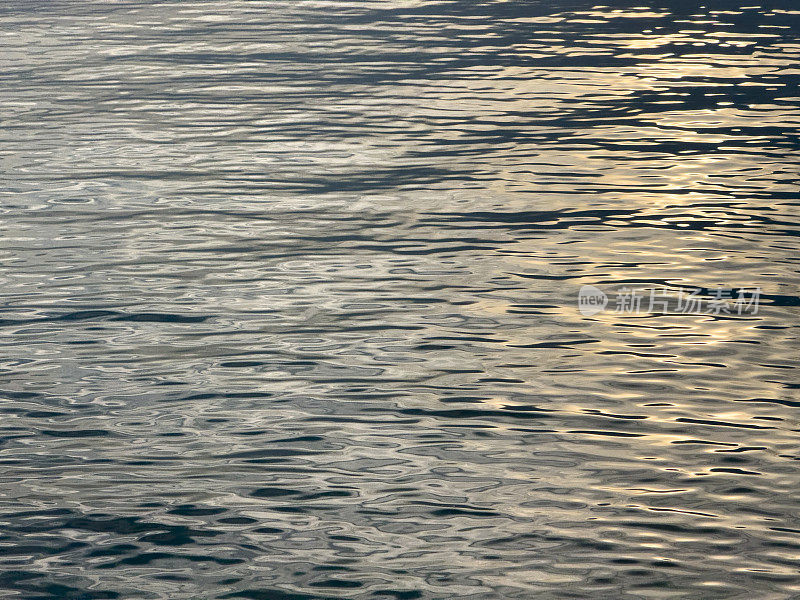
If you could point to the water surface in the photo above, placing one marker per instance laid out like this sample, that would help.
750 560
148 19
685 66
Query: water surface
288 299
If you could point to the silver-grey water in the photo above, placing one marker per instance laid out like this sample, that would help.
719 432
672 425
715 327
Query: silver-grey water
289 299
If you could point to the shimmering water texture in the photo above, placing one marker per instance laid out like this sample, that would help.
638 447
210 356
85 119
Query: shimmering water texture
288 299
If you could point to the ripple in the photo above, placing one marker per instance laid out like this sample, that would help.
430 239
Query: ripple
289 299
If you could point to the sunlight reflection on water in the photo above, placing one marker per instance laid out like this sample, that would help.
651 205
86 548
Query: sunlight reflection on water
289 299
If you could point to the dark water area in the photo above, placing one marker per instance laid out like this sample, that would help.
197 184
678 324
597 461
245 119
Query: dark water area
288 299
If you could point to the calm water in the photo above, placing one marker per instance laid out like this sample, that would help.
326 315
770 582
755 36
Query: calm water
288 298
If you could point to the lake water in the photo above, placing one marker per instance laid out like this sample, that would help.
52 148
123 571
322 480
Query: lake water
289 299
